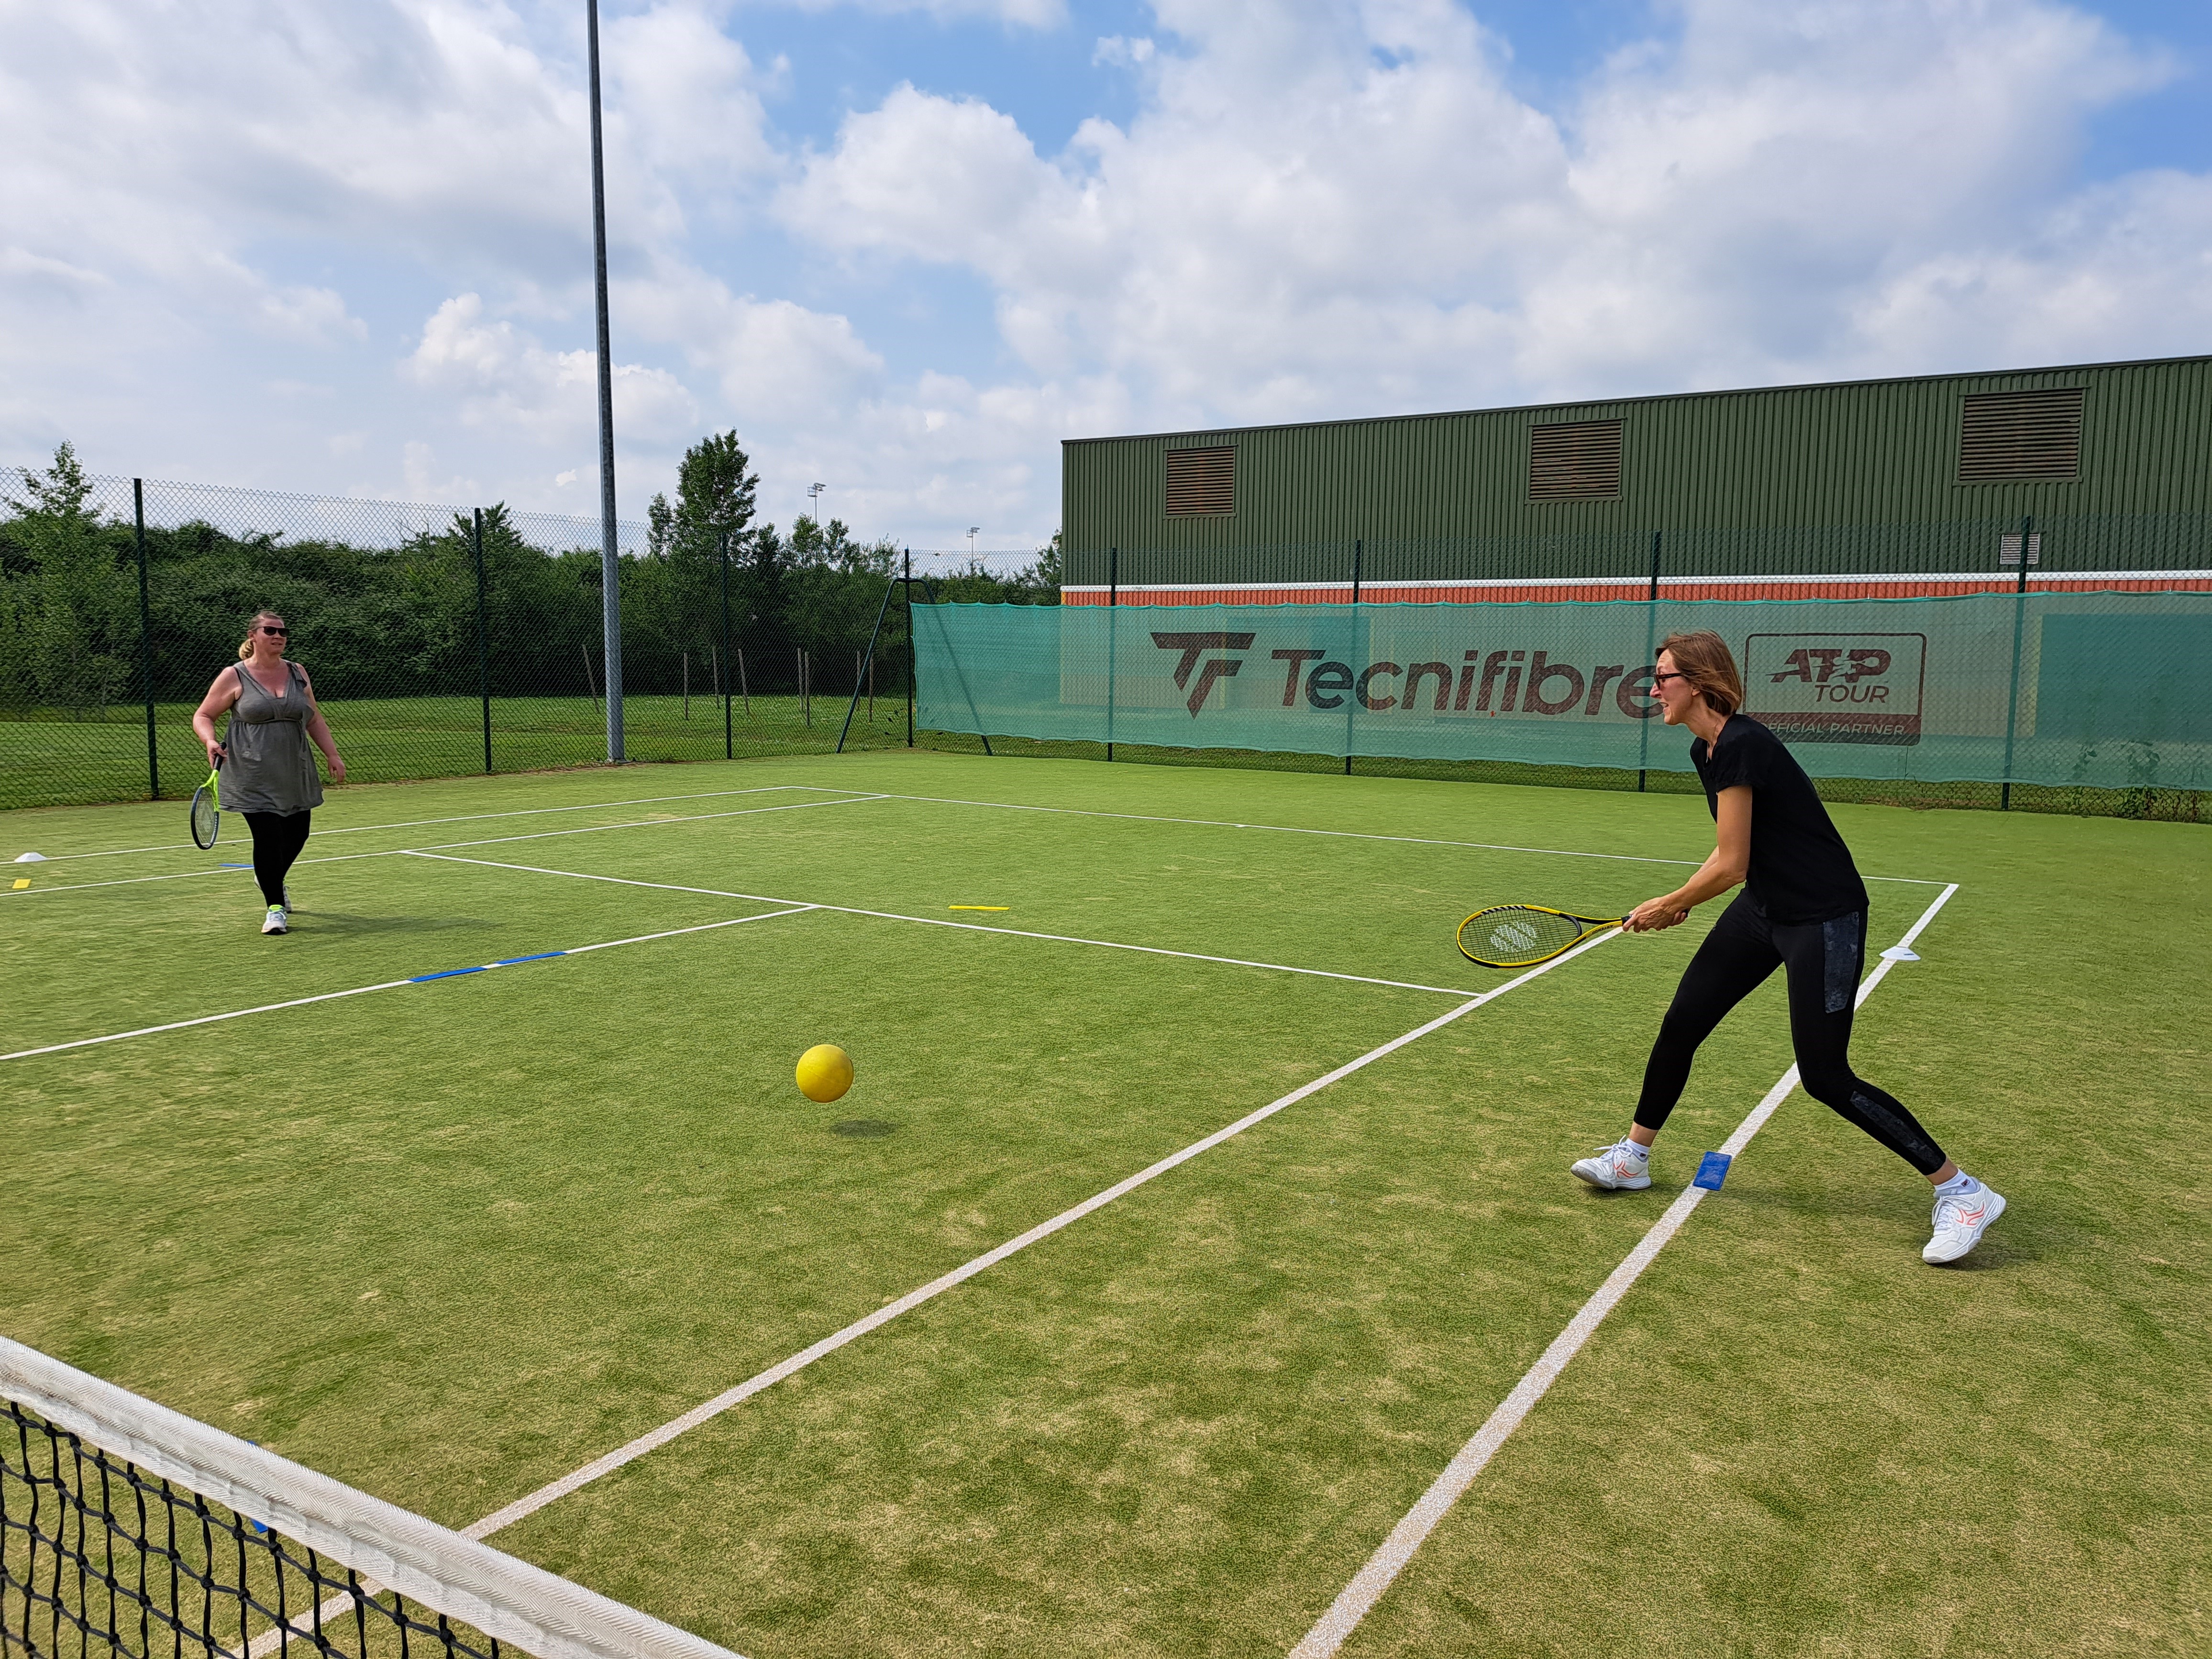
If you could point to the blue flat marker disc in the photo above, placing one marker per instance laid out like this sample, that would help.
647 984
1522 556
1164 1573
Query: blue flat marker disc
1712 1171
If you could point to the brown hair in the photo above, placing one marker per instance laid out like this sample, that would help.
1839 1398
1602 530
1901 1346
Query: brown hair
245 650
1704 658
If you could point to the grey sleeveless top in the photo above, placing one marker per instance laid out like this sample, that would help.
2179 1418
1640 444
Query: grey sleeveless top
271 764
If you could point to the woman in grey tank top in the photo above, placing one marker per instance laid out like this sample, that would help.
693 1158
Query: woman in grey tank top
268 769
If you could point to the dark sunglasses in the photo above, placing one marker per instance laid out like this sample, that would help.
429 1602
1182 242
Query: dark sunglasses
1662 679
281 632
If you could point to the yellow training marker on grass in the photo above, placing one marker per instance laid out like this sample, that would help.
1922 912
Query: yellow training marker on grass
22 882
949 907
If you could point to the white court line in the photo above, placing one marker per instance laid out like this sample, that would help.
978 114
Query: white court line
468 817
850 799
1349 835
937 921
1360 1596
533 1501
393 984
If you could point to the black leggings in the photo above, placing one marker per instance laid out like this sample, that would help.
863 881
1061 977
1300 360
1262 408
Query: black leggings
277 839
1823 959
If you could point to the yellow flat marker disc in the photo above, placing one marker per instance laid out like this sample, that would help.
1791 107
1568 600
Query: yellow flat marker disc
949 907
22 882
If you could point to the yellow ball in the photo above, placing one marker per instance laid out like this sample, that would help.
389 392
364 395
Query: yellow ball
825 1071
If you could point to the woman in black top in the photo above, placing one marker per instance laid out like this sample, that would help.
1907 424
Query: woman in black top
1804 909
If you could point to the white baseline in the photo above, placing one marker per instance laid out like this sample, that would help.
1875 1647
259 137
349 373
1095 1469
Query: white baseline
1366 1589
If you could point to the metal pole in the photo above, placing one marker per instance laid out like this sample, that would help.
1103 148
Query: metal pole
910 646
483 640
2012 698
1113 613
146 642
610 560
729 743
870 660
1352 702
1651 630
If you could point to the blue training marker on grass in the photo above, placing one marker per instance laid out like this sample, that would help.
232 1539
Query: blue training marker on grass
1712 1171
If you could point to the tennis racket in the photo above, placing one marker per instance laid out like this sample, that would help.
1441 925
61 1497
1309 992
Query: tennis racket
206 813
1522 935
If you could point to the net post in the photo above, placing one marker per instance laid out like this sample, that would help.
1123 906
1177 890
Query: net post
2012 696
483 637
146 641
1352 703
1650 635
908 579
1113 606
868 661
729 739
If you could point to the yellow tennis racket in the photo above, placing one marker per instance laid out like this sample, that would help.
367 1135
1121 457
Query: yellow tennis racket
1522 935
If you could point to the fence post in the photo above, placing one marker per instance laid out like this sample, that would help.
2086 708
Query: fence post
483 640
1352 703
1651 637
910 653
2012 695
729 741
1113 612
869 659
146 642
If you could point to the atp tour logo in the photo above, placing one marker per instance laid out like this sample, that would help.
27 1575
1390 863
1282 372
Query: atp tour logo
1835 688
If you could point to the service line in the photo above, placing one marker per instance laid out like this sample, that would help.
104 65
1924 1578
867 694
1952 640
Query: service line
533 1501
1366 1589
942 921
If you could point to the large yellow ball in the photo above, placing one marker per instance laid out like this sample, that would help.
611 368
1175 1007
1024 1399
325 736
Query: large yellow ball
825 1071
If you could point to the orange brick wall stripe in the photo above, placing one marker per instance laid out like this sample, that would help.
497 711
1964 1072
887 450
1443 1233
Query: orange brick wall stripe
1635 587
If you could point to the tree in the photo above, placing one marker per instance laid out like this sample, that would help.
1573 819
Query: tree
715 496
68 622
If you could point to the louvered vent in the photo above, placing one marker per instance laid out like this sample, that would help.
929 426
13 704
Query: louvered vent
1575 462
2020 434
1201 481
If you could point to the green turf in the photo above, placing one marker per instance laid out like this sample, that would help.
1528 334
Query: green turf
451 1240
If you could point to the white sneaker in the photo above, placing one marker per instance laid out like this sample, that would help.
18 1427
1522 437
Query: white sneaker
1622 1167
1960 1222
274 921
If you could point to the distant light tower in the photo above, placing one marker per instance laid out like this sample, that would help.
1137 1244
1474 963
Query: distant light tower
972 531
814 501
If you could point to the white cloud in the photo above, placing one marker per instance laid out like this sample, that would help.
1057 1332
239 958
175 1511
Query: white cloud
509 383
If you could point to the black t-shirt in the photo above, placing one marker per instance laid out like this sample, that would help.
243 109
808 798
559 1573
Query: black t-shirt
1801 870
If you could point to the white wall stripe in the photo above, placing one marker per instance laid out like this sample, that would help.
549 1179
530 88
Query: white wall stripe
1360 1596
529 1504
943 921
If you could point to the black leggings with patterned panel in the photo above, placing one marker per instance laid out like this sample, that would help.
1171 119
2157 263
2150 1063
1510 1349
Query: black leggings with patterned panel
1823 959
277 839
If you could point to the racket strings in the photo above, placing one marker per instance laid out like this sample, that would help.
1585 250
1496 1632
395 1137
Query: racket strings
1517 936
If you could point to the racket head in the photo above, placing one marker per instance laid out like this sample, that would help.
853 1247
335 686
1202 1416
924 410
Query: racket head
207 815
1522 935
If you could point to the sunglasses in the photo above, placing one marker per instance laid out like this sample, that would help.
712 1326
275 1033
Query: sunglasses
281 632
1662 679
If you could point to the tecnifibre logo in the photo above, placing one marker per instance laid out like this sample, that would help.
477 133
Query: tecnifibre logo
1503 680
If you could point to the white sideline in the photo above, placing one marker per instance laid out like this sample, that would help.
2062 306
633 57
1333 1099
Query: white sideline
938 921
468 818
533 1501
1297 829
1360 1596
389 985
849 798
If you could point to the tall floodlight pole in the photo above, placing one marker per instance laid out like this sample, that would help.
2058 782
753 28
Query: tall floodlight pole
610 560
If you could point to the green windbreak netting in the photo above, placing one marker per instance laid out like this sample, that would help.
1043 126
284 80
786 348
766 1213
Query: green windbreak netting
2104 690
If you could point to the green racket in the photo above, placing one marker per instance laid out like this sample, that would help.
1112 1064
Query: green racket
1522 935
207 812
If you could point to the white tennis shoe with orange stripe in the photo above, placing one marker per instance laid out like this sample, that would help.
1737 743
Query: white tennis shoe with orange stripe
1960 1220
1622 1167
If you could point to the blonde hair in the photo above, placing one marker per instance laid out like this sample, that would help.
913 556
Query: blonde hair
246 649
1703 657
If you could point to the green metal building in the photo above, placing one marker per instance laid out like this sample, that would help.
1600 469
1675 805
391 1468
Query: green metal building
2101 473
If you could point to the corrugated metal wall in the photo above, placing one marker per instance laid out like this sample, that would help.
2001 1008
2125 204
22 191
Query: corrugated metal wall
1857 478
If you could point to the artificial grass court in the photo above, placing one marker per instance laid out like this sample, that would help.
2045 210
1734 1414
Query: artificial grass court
449 1240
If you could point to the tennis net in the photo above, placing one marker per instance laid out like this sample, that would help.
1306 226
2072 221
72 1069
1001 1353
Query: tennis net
129 1528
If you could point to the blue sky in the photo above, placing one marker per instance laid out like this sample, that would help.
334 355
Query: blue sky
906 248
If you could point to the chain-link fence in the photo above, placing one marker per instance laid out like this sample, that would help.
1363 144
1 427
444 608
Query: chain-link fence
441 641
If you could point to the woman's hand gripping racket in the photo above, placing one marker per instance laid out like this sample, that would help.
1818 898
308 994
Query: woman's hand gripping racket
1522 935
207 811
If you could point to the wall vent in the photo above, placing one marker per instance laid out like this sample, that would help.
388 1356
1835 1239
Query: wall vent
1201 482
1578 461
2007 435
